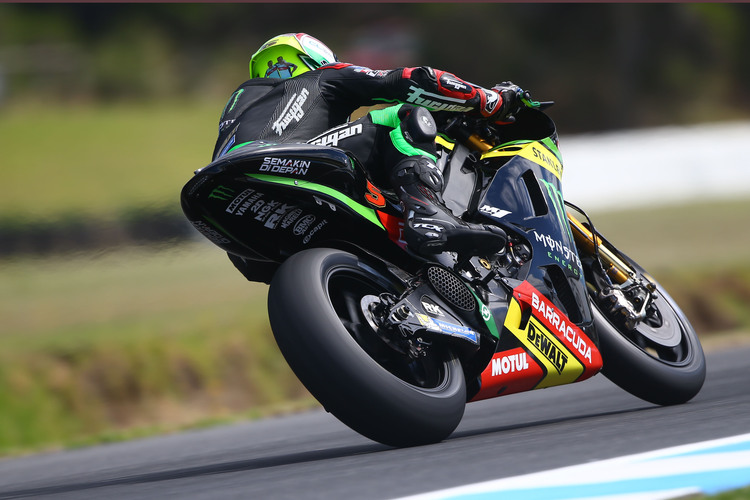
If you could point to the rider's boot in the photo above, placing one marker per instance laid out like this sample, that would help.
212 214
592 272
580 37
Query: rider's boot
430 228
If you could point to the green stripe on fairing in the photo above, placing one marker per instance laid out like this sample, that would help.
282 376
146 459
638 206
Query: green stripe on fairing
552 147
366 212
250 142
511 143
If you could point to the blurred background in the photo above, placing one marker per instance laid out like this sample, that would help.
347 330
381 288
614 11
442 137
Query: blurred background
116 320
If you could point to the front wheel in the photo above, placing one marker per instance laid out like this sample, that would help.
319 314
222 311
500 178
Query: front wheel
316 314
661 359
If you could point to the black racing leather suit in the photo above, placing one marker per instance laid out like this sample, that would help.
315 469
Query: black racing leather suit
302 108
297 109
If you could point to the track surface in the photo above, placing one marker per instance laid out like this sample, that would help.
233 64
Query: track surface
312 455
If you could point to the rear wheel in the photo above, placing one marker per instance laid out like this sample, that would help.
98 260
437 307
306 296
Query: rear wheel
315 305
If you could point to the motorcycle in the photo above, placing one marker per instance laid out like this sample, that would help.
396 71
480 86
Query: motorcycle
395 345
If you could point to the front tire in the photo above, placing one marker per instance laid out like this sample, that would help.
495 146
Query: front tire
315 314
661 361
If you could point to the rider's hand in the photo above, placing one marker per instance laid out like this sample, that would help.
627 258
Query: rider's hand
501 103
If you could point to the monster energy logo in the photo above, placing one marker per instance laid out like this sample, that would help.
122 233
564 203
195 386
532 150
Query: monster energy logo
232 102
559 203
222 193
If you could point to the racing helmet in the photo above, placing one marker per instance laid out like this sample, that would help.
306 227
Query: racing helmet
288 55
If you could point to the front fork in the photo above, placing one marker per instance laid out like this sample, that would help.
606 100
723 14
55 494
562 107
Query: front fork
625 293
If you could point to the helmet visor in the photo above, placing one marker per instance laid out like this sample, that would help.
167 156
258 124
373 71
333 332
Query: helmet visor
277 62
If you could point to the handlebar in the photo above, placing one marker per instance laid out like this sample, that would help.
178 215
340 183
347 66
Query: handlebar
481 135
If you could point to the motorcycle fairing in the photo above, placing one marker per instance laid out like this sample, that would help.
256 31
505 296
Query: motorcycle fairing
267 201
525 197
545 348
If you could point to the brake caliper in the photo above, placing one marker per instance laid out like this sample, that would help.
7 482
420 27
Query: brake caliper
629 303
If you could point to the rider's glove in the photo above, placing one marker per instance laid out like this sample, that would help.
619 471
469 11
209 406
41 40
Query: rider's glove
500 104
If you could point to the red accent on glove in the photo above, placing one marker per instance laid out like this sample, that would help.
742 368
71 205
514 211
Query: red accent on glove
406 73
486 108
443 77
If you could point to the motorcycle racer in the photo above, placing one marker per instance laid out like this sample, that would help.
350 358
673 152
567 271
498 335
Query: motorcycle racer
300 92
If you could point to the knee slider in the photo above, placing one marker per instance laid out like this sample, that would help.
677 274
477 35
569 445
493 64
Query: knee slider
417 125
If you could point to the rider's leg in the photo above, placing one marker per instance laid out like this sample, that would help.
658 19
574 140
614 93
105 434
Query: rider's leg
396 146
430 227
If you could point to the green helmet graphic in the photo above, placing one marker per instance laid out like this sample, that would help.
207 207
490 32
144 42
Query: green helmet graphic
288 55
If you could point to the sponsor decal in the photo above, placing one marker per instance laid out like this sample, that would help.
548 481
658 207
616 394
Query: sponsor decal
560 253
314 230
447 80
440 326
255 200
511 363
557 320
584 358
431 308
231 103
492 98
486 314
435 102
275 217
559 203
292 111
239 199
269 43
289 218
222 193
493 211
543 157
332 138
429 227
213 235
225 124
370 72
263 210
310 43
457 330
547 160
559 348
374 196
510 371
547 346
284 166
303 225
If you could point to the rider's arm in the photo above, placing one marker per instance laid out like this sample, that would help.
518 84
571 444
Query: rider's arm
433 89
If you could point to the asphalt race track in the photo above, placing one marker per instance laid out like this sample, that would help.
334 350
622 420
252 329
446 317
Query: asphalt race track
313 456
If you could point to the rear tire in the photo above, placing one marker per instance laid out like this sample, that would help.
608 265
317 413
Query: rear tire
314 310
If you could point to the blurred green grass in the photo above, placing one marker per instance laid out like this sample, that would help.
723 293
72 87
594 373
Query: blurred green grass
132 340
100 161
